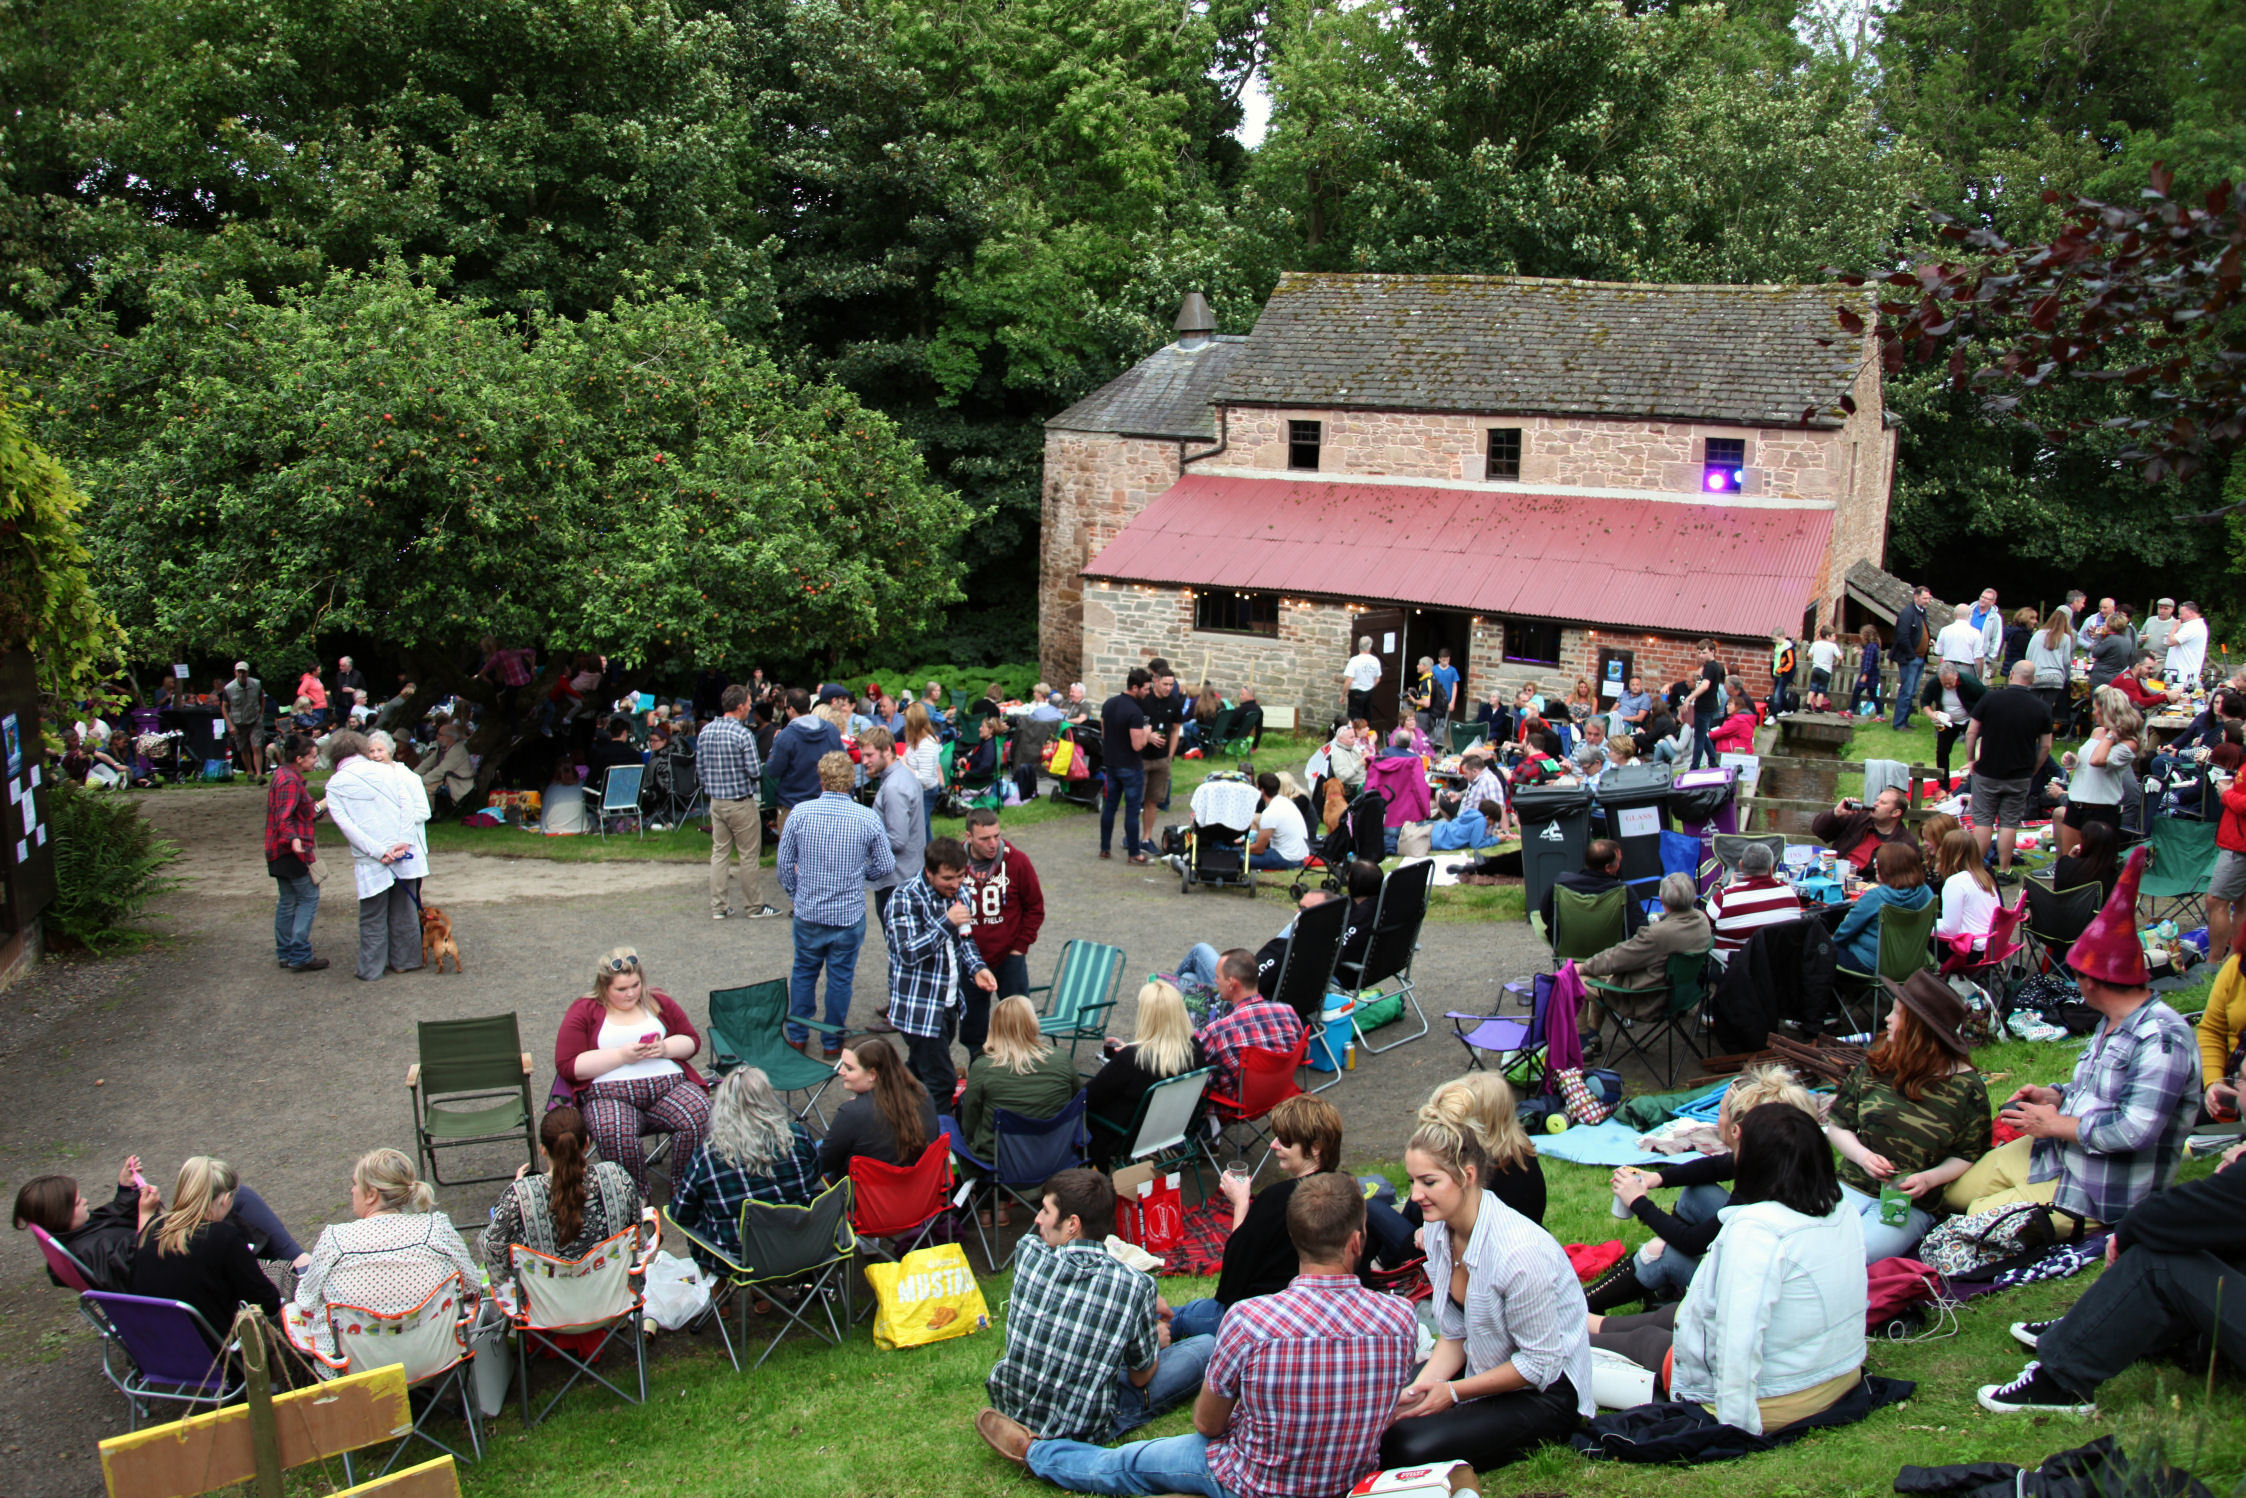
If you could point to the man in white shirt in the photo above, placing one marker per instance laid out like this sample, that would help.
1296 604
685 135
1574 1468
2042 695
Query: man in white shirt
1960 643
1281 839
1360 676
2187 647
2091 625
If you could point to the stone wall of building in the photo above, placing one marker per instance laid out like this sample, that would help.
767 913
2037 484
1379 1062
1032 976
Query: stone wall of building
1860 518
1094 484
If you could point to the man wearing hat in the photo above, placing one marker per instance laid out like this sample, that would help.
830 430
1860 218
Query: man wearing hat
245 717
2114 1134
2154 636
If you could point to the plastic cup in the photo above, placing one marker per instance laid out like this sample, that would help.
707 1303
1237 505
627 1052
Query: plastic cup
1237 1171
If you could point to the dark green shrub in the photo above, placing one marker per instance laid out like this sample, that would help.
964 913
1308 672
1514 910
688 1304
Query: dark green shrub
109 864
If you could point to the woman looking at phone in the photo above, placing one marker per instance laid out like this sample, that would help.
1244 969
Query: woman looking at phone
102 1238
623 1052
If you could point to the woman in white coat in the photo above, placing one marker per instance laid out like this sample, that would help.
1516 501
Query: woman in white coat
382 812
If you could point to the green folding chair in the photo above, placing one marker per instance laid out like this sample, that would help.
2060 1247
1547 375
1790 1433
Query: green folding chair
1078 1000
2180 867
470 1061
802 1255
1586 925
1463 734
1684 985
746 1030
1906 946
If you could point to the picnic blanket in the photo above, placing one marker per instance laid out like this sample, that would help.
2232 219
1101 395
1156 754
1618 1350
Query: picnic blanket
1207 1227
1607 1144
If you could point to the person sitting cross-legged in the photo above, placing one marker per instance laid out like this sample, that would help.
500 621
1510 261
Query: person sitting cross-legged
2175 1279
1089 1355
1259 1257
1298 1389
1281 841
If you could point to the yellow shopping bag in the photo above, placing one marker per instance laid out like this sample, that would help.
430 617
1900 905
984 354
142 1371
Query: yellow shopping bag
1063 753
930 1297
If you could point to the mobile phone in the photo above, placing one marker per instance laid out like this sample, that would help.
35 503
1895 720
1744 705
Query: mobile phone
651 1035
139 1181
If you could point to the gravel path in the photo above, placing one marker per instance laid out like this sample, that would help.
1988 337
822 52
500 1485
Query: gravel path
201 1045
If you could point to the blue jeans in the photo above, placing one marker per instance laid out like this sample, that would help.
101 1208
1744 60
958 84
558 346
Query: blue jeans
268 1236
1177 1378
1174 1464
1197 1318
293 906
1703 744
1668 1275
1907 674
928 800
1268 859
1126 787
1200 964
836 949
1880 1240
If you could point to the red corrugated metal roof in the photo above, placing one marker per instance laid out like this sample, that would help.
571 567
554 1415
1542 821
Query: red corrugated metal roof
1639 563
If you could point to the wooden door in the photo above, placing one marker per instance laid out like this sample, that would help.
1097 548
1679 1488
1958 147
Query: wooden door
1386 626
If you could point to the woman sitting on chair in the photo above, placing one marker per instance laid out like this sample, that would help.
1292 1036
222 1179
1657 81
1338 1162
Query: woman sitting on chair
2095 860
102 1239
563 1212
1164 1047
1259 1257
889 1116
623 1052
755 1152
396 1250
198 1252
1511 1369
1772 1330
1017 1071
1902 883
1969 897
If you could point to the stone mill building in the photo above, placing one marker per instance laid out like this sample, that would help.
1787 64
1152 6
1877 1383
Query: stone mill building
1553 479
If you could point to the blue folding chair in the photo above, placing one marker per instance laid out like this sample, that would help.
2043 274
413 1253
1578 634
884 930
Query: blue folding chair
1030 1151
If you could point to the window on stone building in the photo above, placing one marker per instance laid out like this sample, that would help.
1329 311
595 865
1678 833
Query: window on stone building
1236 613
1721 467
1532 642
1504 453
1303 439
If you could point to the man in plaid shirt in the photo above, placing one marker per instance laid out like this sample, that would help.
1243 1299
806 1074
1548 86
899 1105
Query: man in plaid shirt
1088 1351
830 850
725 754
931 937
1248 1019
1298 1390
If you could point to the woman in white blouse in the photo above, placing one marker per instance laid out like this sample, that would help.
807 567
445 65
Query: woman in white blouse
382 812
1511 1368
1969 897
397 1249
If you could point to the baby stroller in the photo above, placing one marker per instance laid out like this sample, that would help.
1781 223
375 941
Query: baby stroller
1084 790
1216 845
163 757
1363 833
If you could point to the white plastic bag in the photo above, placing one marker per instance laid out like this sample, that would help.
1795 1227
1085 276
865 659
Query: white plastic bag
677 1291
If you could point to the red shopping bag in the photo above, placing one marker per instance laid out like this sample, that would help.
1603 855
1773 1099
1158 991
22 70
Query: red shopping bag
1151 1213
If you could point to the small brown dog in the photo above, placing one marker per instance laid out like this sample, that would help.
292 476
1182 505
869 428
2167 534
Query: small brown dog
436 939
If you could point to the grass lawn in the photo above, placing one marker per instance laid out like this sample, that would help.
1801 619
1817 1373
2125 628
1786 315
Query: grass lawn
817 1420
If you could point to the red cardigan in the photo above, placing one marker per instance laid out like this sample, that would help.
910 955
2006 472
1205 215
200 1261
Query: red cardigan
580 1032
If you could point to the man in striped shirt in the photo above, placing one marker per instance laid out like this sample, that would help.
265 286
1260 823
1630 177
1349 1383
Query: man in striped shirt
1752 901
1298 1391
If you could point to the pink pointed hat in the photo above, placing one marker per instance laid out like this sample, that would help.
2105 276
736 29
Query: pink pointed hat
2108 950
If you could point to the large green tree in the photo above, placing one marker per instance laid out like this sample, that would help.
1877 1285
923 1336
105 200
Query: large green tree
48 606
376 458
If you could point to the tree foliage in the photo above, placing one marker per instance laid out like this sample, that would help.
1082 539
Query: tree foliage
47 601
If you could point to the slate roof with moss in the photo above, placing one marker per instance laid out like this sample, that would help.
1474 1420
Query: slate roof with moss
1750 355
1166 395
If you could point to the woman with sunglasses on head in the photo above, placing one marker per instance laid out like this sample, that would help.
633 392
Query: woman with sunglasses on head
623 1052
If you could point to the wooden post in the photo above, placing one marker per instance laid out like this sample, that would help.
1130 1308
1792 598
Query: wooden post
265 1433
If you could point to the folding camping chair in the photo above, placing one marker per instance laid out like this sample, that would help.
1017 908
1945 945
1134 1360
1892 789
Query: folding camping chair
1027 1153
1509 1040
470 1061
619 797
1307 971
600 1291
1267 1079
1586 925
2180 868
430 1342
746 1029
1684 985
1082 993
1728 846
674 791
1397 917
2055 918
808 1248
1906 940
75 1277
1463 735
165 1349
894 1209
1161 1132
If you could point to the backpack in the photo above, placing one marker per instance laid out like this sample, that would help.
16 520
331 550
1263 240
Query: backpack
1896 1286
1981 1245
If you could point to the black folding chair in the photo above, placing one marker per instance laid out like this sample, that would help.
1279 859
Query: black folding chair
1401 911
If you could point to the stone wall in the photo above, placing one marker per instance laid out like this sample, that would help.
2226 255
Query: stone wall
1094 484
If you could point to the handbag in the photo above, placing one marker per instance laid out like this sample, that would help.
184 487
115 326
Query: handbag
1583 1106
1415 840
928 1296
1979 1244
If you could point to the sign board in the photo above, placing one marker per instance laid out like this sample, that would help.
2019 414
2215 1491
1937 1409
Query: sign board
27 855
1637 821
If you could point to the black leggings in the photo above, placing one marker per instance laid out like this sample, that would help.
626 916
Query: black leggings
1644 1339
1484 1433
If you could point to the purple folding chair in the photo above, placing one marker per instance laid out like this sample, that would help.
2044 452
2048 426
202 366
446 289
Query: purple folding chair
1510 1040
166 1346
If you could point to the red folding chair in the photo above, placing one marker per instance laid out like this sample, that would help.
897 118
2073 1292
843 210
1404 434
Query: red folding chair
1267 1079
895 1208
1996 951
